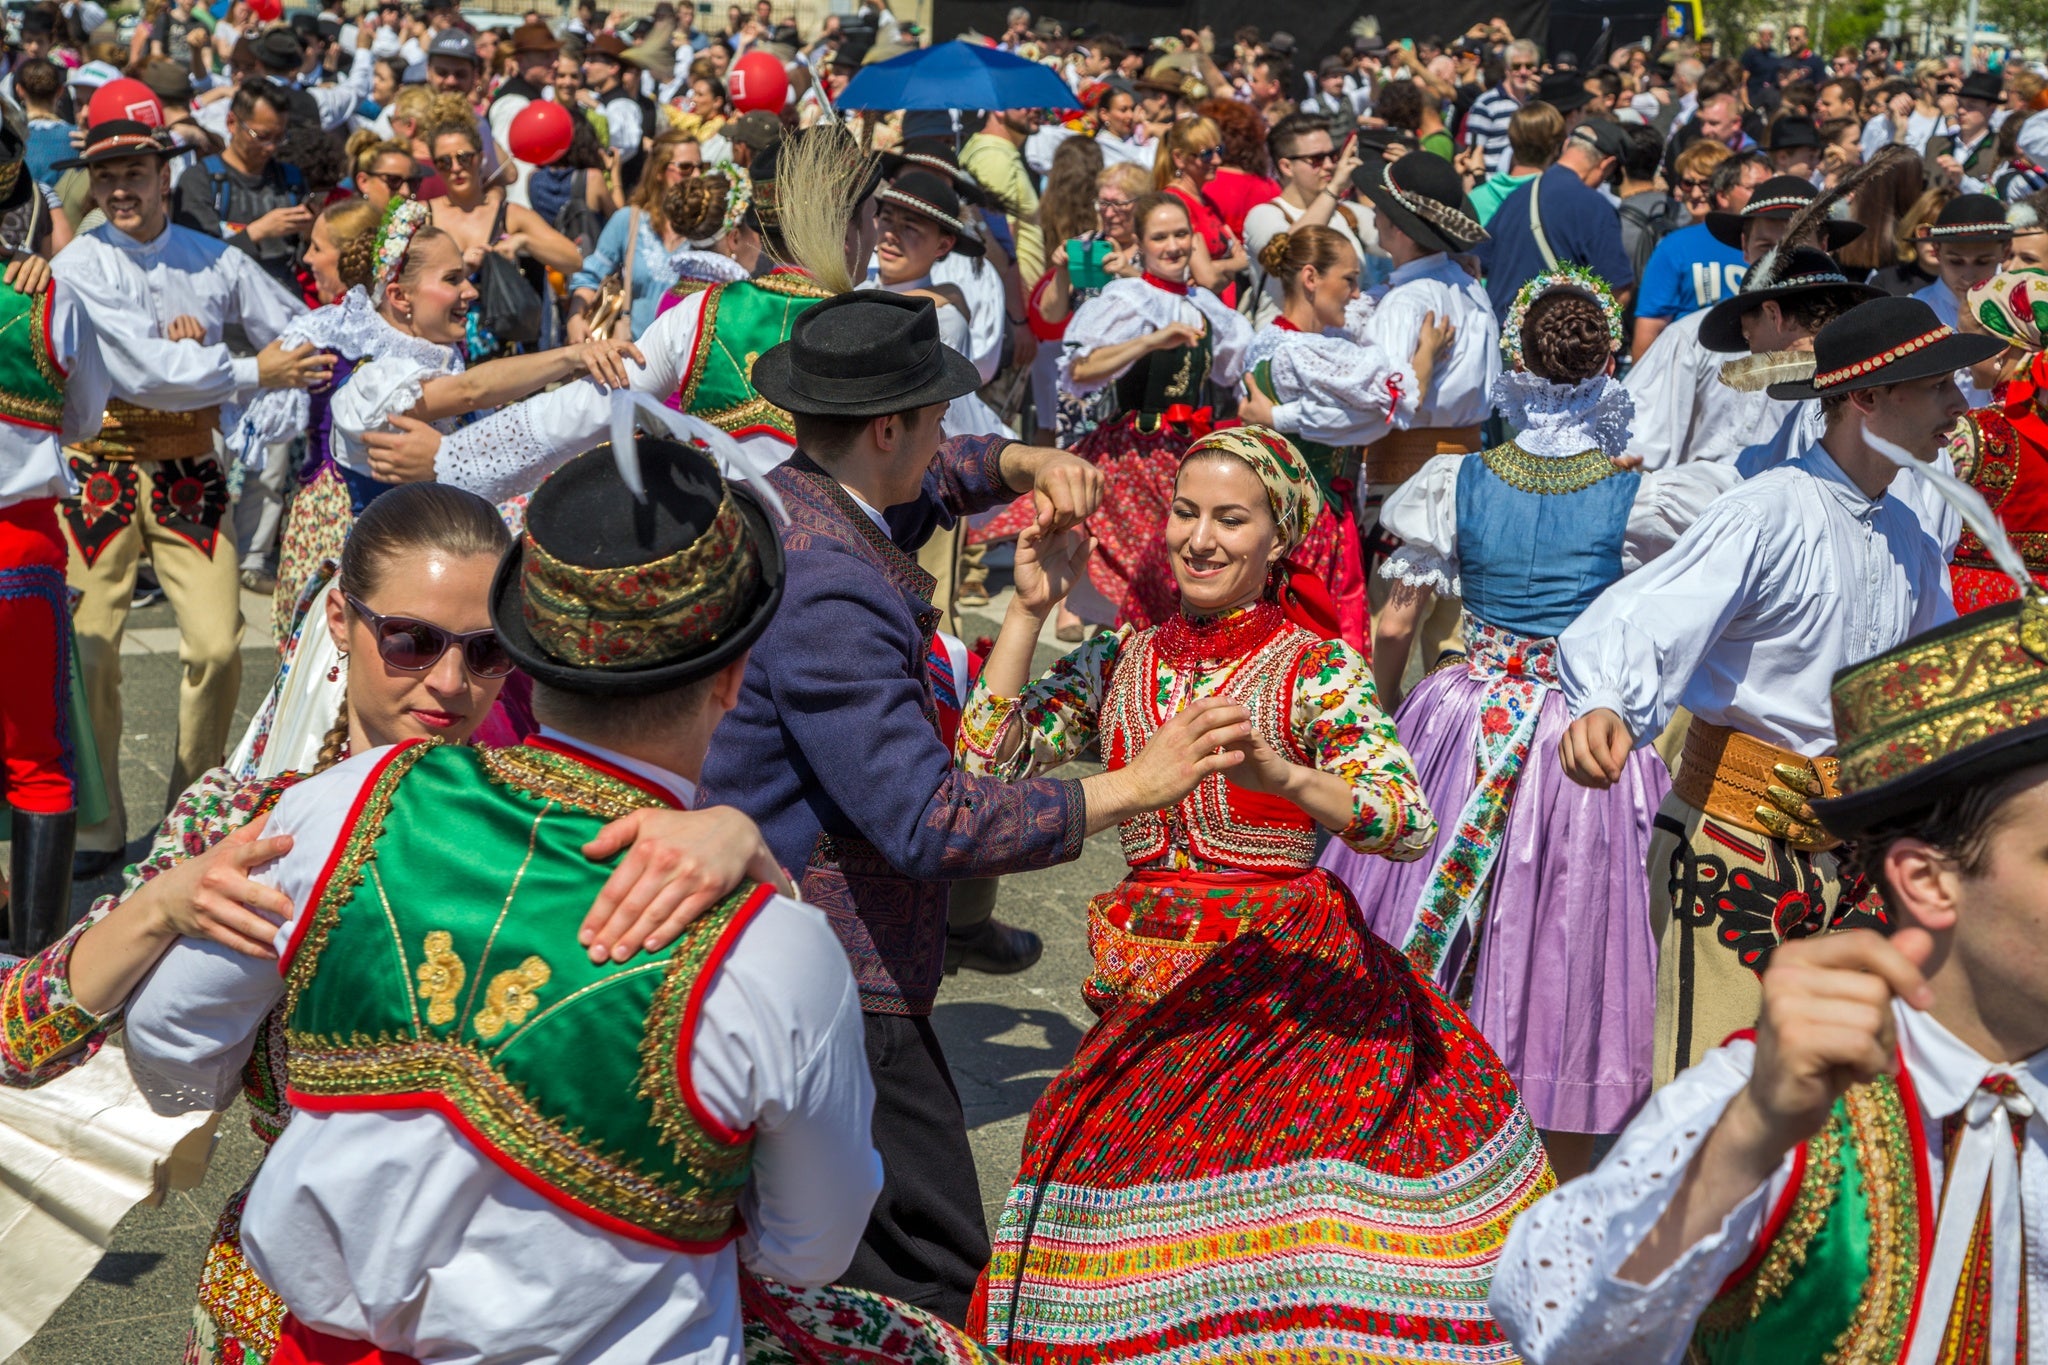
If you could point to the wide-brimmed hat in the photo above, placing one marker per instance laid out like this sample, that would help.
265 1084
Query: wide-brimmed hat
533 37
1425 198
1981 85
1957 707
865 354
111 139
1890 340
1564 90
1790 133
608 595
1780 197
1970 218
610 46
1801 273
929 196
278 49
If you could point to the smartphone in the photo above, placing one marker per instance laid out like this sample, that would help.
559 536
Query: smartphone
1085 268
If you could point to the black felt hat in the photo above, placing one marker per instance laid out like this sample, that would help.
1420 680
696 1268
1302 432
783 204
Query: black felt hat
1891 340
1802 272
1780 197
1981 85
1425 198
1564 90
924 193
865 354
1970 218
1789 133
113 138
604 594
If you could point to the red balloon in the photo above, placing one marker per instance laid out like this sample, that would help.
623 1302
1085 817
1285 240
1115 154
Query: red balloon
757 81
125 98
269 11
541 133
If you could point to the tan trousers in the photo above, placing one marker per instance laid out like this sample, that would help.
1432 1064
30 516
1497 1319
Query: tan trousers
205 593
1721 899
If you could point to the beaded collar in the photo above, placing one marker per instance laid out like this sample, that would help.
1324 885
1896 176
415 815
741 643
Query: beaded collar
1198 642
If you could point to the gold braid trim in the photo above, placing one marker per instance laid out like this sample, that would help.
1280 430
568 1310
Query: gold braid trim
358 847
1517 468
362 1065
549 776
1818 1186
1884 1150
664 1050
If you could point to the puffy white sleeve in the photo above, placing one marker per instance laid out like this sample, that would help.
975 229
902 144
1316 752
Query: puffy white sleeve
1423 512
86 386
1230 337
1664 401
1112 316
1668 502
1363 387
1636 648
953 330
142 367
262 304
375 392
1557 1288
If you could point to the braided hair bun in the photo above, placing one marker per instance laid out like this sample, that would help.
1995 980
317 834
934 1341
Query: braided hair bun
695 208
1565 338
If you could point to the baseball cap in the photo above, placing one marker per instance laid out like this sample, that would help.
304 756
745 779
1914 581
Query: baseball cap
757 129
1603 137
453 42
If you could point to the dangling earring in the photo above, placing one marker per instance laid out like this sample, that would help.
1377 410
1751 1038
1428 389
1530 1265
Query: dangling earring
334 671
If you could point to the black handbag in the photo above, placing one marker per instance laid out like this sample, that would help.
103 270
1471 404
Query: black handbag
507 304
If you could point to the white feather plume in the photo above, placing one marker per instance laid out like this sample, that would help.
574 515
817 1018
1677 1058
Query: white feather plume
632 408
1969 504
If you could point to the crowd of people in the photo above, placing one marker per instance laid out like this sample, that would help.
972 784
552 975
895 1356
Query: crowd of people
1545 566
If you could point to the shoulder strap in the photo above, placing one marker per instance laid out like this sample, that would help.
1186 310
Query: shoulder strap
1536 221
632 247
505 205
217 171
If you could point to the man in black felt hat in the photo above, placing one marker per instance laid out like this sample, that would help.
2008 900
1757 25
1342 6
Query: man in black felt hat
1964 160
834 750
1871 1152
1795 147
662 1120
1684 412
1807 568
1970 237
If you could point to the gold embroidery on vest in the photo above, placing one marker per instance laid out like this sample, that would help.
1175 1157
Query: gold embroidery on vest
512 996
441 977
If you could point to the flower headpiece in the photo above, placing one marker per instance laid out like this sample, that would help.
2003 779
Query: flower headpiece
738 198
403 218
1576 278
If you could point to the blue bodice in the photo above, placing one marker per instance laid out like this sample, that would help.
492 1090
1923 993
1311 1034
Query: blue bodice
1539 538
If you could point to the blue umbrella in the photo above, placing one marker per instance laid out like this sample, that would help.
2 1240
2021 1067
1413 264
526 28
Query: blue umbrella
957 75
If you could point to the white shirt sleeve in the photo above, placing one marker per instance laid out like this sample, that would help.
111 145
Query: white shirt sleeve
1423 513
1365 386
1668 502
622 120
1557 1289
781 1049
1636 648
1114 315
260 302
374 392
86 384
336 103
1663 406
142 367
1230 337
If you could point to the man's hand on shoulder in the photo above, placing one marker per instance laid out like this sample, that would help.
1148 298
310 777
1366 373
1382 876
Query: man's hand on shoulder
1064 488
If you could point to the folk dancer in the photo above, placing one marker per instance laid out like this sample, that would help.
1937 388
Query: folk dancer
2003 449
159 295
1807 568
1862 1176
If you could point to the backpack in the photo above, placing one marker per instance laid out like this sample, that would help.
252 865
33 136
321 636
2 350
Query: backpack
1642 229
217 171
576 220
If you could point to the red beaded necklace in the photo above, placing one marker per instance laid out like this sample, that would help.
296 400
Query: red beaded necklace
1185 642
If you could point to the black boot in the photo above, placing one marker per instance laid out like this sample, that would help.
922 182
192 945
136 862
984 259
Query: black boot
39 876
993 947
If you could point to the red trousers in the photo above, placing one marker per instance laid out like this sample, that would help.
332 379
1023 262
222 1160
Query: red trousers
35 733
298 1344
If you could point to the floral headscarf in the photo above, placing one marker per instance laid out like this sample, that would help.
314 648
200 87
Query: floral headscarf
1291 490
2013 306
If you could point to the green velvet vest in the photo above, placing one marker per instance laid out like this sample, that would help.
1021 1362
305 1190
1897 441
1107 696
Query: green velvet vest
1836 1273
439 969
31 380
1327 463
741 320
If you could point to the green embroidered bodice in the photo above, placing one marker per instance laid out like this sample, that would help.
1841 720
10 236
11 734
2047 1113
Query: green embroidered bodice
1836 1279
31 380
440 969
741 320
1327 463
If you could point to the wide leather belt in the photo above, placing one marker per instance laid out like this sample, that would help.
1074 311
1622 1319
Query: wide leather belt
1755 785
1399 455
132 433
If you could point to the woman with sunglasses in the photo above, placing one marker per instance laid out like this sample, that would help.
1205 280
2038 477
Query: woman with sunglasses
639 243
1189 156
397 335
383 170
480 218
414 622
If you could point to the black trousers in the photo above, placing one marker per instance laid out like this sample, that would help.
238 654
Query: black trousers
926 1242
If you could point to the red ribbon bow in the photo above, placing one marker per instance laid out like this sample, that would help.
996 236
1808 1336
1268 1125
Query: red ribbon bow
1198 421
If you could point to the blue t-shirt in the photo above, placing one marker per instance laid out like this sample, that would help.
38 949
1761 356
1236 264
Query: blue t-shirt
1581 225
1689 270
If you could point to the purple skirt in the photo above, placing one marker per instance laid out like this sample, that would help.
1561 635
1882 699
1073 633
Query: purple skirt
1565 988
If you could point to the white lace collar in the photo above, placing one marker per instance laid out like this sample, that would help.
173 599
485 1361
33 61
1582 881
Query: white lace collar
353 328
714 267
1562 420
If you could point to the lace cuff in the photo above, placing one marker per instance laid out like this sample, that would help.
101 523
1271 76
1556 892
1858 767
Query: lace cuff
273 415
42 1025
1419 568
500 458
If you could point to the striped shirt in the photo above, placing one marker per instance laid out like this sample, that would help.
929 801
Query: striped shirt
1486 126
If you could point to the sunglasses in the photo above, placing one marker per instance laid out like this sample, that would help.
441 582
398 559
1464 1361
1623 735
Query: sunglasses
1692 184
1316 159
461 161
1521 66
392 181
1210 154
416 646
